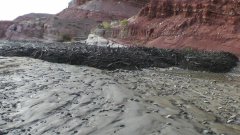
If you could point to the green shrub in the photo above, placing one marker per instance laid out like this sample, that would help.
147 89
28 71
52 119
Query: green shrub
106 25
124 22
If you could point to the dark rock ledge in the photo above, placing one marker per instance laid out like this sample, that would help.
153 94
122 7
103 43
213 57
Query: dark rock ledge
120 58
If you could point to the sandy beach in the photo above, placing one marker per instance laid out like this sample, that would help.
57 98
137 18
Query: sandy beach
42 98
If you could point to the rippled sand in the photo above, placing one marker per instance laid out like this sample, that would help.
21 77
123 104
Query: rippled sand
41 98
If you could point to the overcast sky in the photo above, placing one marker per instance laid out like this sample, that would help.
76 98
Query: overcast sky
10 9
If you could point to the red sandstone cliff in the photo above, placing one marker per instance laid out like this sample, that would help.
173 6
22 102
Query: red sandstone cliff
201 24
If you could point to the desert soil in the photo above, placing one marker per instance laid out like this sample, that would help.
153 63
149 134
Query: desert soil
42 98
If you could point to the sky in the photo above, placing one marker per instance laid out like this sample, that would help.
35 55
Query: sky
11 9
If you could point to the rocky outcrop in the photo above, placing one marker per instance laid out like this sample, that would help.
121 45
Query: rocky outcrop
201 24
121 8
27 27
25 31
82 16
97 40
74 22
75 3
3 27
138 3
57 28
33 16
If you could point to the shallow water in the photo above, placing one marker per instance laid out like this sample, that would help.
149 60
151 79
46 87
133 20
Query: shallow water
230 77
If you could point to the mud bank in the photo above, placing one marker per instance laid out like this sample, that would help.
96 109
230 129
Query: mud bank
102 57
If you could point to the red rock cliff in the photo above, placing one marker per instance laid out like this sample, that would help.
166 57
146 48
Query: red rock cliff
202 24
203 11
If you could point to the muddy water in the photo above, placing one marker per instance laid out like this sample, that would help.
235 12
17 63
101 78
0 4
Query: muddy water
207 100
232 80
42 98
231 77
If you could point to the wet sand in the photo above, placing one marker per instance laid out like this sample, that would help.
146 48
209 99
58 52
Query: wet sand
42 98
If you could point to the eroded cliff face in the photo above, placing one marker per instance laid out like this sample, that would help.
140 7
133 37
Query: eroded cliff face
27 27
75 3
3 27
105 9
74 22
203 11
139 3
201 24
82 16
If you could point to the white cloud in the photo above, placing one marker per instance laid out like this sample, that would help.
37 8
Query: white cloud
10 9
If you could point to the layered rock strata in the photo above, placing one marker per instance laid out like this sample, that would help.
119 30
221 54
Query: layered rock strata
201 24
203 11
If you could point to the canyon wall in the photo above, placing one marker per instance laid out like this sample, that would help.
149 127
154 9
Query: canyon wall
203 11
200 24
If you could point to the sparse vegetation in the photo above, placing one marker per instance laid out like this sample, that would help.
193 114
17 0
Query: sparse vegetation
106 25
124 22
